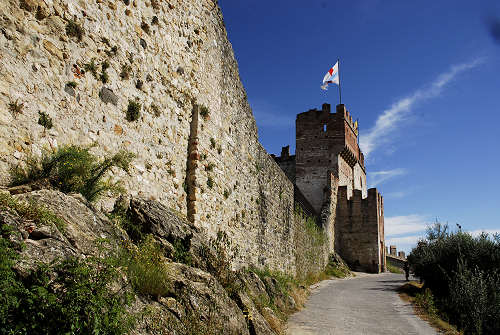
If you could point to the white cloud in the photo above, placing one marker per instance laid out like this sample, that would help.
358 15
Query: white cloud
395 195
406 224
378 177
392 118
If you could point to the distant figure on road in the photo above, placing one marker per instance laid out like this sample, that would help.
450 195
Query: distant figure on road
406 267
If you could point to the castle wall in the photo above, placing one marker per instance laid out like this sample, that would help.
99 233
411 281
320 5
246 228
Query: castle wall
312 250
329 211
196 139
357 230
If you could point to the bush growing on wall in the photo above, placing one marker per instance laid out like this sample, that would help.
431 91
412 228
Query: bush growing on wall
73 169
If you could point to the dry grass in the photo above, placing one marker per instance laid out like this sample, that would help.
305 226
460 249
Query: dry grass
299 294
277 325
408 291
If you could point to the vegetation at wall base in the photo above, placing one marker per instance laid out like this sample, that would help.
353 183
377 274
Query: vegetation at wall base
462 273
73 169
147 268
71 296
394 269
424 305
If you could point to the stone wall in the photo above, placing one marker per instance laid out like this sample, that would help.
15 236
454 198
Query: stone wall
196 139
311 241
357 230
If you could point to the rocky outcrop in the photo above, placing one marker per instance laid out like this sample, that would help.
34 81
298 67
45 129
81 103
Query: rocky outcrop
196 302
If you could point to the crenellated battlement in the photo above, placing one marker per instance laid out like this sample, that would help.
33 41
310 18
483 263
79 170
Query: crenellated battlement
359 229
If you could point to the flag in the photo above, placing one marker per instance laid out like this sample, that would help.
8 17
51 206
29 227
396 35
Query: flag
331 77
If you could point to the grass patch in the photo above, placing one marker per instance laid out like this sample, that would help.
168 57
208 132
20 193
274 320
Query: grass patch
30 211
147 268
424 305
394 269
285 282
73 169
72 84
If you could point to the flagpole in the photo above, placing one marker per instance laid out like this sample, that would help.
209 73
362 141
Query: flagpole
340 90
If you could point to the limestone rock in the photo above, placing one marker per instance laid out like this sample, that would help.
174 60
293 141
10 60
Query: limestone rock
168 228
52 49
206 301
107 96
83 224
257 325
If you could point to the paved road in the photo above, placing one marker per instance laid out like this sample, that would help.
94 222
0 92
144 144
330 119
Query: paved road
367 304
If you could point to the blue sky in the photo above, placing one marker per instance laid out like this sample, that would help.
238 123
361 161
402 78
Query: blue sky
423 77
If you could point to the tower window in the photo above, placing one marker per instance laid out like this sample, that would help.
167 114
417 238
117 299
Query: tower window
324 128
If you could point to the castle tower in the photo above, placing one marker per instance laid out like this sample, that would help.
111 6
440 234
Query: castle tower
329 173
327 143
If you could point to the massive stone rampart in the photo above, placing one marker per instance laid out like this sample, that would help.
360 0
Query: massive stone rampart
359 232
84 63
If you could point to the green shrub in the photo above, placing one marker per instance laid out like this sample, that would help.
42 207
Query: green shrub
426 302
204 112
462 272
181 251
73 296
209 167
212 143
73 29
147 268
16 108
104 77
44 120
91 67
71 84
122 218
133 111
210 182
73 169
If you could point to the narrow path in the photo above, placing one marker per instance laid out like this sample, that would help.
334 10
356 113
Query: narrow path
367 304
